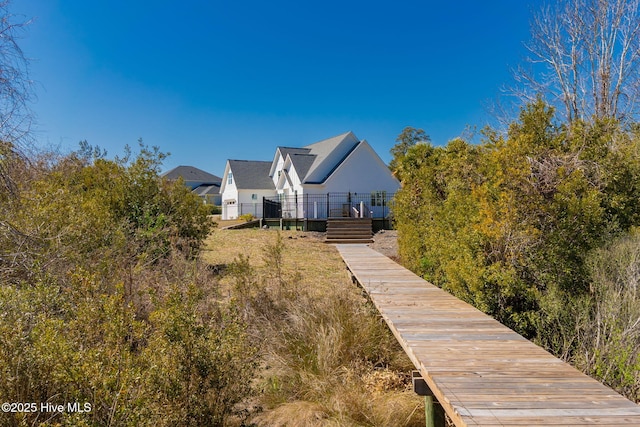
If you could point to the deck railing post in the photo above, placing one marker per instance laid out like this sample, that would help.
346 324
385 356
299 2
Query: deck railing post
328 201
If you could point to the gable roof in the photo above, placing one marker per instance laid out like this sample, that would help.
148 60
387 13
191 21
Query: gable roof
302 163
293 150
313 164
206 189
284 152
251 174
192 174
329 154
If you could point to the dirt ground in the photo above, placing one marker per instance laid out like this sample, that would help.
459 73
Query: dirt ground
386 242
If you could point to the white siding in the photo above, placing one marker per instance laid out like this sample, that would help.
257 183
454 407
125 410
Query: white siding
250 201
296 184
229 196
279 166
362 172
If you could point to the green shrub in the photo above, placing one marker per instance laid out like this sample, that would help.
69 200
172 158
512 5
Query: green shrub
104 301
214 209
247 217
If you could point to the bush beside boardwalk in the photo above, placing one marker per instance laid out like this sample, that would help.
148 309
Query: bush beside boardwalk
520 226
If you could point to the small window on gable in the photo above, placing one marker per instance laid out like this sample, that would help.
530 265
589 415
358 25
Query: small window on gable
230 178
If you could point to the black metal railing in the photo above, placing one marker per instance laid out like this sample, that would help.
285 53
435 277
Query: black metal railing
255 209
330 205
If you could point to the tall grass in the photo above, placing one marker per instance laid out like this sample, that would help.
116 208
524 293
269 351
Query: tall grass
328 357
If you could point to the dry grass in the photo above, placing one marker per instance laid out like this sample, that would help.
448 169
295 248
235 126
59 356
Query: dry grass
328 358
304 253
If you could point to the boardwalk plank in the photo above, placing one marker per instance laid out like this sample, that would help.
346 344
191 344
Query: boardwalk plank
483 373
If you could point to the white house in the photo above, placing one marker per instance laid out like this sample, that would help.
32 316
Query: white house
245 183
310 182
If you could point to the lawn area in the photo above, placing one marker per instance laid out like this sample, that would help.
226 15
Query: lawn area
304 253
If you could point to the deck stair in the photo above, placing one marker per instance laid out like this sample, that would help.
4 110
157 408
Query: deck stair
349 230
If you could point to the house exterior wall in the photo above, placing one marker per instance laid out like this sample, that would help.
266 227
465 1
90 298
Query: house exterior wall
229 196
250 201
279 166
362 172
367 179
212 199
296 184
288 188
362 177
229 205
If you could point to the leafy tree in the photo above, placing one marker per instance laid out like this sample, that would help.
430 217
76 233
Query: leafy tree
407 139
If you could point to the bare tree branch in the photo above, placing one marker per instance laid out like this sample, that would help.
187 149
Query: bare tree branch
15 93
584 58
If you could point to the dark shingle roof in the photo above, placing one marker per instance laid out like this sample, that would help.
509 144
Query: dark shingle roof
192 174
302 163
293 150
205 189
329 155
251 174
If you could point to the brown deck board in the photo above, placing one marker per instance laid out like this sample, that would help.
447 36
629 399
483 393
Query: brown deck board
483 373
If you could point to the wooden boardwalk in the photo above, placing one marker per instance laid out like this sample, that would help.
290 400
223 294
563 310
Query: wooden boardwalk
483 373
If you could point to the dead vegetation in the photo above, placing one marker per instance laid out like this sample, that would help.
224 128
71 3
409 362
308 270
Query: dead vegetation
327 358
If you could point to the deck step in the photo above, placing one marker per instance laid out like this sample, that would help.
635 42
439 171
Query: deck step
349 240
349 230
365 225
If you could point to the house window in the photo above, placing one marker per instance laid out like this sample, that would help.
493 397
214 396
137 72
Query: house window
378 198
230 178
254 196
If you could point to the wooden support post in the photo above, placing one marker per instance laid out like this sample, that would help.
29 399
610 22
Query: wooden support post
429 412
433 412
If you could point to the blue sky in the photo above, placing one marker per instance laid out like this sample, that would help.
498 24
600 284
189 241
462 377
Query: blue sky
212 80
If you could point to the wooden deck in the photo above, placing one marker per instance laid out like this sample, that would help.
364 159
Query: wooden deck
483 373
